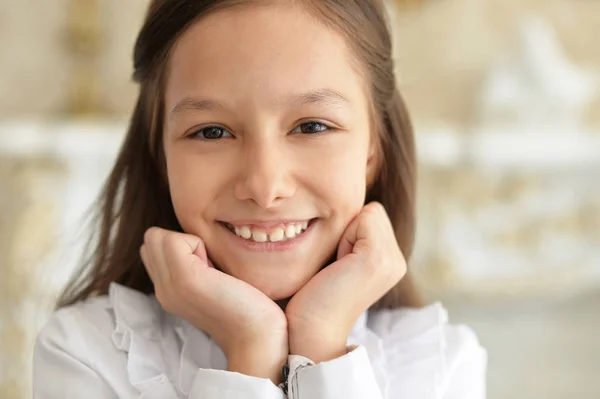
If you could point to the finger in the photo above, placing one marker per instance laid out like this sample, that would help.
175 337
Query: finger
200 252
348 238
181 252
359 229
380 217
195 245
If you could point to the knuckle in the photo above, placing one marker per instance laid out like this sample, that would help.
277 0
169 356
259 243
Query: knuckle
378 205
170 241
375 207
373 213
151 234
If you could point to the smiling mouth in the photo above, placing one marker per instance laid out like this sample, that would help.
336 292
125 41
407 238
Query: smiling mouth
278 233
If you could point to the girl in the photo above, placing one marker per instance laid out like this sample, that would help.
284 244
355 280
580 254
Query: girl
255 229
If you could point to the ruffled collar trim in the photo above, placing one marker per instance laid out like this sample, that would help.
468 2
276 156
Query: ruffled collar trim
136 319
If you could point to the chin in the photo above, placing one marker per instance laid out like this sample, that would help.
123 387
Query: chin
280 293
278 288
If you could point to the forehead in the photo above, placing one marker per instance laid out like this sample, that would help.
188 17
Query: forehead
263 52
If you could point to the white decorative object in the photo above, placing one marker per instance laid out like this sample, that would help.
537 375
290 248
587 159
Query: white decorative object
536 86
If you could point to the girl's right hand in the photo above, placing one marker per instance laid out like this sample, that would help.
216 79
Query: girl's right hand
250 328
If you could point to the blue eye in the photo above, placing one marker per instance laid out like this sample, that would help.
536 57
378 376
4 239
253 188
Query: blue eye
311 127
211 133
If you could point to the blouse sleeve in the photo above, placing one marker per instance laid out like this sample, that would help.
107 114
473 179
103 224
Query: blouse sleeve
217 384
404 354
347 377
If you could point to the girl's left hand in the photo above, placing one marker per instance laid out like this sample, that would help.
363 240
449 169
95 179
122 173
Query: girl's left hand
369 263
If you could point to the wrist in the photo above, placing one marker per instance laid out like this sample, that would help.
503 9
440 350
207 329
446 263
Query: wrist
316 345
258 360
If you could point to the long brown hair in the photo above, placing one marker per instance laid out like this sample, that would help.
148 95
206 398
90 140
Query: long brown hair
136 195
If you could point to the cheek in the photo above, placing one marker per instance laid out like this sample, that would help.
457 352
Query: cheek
341 175
191 187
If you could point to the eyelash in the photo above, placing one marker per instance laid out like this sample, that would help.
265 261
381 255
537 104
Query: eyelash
325 128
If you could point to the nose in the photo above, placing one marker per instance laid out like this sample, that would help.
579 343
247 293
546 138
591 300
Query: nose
266 176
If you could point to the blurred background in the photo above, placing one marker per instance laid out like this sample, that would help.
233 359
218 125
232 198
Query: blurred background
505 98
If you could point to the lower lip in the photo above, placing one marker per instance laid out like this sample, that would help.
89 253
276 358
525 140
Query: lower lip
271 246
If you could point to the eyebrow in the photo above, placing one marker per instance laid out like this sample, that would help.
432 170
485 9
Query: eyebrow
195 104
320 96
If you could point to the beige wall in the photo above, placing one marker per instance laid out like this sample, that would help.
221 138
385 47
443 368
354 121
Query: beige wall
445 47
60 55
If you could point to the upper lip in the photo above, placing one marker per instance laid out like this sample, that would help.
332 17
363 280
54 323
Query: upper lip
264 223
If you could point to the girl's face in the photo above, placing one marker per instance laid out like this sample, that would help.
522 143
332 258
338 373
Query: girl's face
268 142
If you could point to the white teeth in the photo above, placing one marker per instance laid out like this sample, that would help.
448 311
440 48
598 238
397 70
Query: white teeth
276 235
259 236
290 231
245 232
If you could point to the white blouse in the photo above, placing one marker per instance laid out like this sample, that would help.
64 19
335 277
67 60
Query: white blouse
125 345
